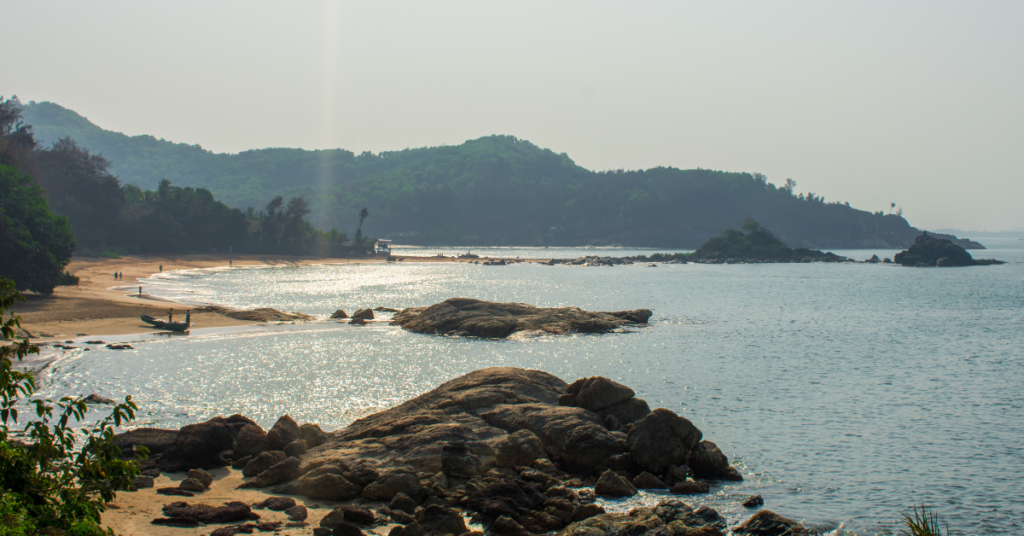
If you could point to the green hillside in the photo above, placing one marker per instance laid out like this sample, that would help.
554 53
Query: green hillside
495 190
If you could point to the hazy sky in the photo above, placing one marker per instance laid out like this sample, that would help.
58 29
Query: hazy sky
917 103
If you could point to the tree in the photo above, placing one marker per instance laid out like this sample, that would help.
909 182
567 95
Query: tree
891 206
363 214
790 184
79 186
61 479
35 244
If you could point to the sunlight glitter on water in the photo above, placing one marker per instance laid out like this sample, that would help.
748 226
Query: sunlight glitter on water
846 392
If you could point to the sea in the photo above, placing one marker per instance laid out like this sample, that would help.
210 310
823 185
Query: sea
846 394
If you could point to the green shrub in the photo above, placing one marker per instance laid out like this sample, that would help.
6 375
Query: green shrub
67 279
110 255
923 522
53 478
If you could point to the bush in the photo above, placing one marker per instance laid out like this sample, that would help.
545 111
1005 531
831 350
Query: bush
923 522
60 480
68 280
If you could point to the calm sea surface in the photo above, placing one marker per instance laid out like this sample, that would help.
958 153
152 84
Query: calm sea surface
845 393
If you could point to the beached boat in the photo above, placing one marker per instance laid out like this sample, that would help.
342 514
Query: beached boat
172 326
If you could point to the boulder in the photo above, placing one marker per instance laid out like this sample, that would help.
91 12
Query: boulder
392 483
521 447
753 501
646 480
313 435
240 463
404 503
662 439
599 393
506 498
689 487
202 476
198 446
296 513
155 439
338 314
284 431
630 411
296 448
707 461
676 473
587 511
277 504
264 461
476 318
360 515
230 512
250 441
363 314
506 526
612 484
98 399
191 484
321 484
279 472
344 528
439 520
768 523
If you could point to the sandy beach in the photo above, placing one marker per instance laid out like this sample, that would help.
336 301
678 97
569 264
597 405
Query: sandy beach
101 305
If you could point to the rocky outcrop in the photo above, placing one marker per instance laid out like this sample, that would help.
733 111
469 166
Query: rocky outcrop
671 518
263 314
929 250
768 523
202 445
363 314
477 318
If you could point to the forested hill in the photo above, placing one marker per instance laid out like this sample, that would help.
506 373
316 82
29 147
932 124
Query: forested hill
495 190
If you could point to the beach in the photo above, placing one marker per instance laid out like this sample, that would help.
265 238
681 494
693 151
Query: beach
101 305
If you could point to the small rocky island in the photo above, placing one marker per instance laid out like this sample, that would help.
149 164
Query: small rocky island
929 250
516 451
754 244
478 318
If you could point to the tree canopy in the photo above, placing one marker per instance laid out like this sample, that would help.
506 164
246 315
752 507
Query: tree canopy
490 191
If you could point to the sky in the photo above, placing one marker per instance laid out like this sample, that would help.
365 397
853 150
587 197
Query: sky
920 104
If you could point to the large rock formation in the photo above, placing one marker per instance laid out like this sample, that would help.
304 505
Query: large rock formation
929 250
494 420
477 318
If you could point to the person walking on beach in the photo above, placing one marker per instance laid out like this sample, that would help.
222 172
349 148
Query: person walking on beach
170 315
161 268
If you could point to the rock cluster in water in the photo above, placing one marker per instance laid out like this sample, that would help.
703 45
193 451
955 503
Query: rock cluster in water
477 318
930 251
511 447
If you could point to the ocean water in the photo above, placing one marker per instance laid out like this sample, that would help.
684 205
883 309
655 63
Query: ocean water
844 393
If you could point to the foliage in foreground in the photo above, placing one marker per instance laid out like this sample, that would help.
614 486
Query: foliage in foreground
54 479
923 522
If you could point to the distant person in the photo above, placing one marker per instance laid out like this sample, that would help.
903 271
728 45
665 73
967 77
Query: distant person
170 315
161 267
140 292
115 276
229 263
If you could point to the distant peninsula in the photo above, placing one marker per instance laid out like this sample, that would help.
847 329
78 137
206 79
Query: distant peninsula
495 190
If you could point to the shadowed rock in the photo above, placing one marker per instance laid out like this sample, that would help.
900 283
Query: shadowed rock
768 523
477 318
283 433
198 446
662 439
233 511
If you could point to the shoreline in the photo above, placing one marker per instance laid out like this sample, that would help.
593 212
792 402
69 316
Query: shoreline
101 306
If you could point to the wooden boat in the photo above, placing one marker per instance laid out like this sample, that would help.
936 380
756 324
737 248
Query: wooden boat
172 326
